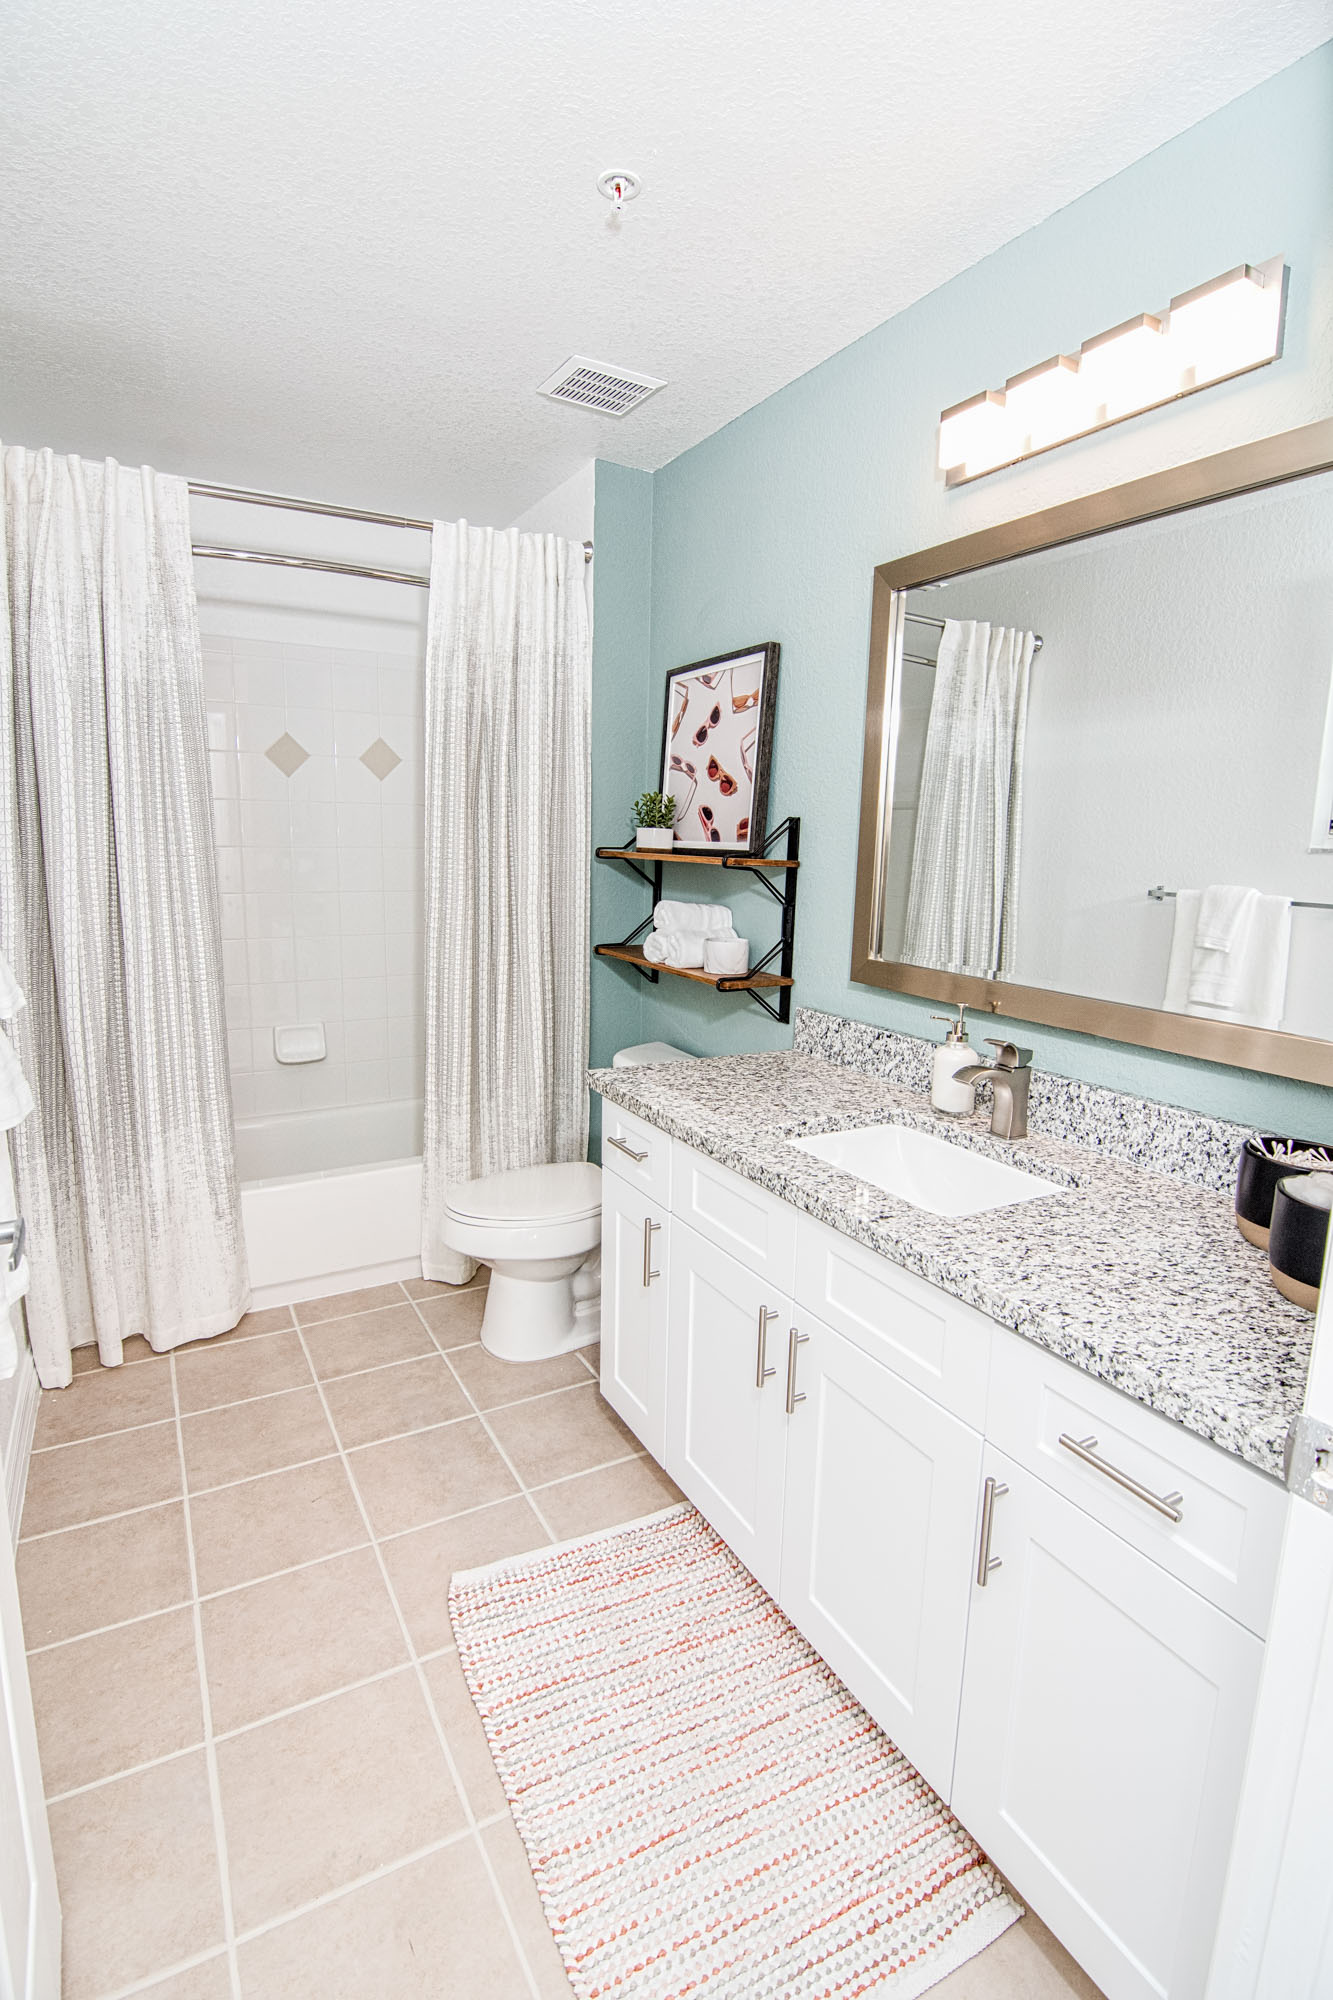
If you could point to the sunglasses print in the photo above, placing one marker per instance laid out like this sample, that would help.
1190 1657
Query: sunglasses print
680 699
706 822
747 751
723 779
743 828
701 733
745 687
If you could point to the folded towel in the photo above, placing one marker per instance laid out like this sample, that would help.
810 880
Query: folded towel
691 917
12 999
1225 913
1256 965
683 951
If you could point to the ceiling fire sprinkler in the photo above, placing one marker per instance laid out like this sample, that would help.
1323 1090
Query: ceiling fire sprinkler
618 188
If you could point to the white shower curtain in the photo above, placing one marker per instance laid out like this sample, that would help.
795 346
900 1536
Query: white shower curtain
109 917
962 897
508 676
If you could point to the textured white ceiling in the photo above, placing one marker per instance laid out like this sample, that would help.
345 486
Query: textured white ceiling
331 248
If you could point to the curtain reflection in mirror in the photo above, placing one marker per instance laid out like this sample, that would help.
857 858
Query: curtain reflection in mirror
962 894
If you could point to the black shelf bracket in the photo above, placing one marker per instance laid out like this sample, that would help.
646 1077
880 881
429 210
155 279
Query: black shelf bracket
785 948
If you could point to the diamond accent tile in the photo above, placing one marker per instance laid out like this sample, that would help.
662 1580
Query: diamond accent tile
379 760
287 754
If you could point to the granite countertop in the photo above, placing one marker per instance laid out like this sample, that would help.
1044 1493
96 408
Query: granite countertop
1136 1277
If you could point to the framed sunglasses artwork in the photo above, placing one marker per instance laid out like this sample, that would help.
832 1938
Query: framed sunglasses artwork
717 740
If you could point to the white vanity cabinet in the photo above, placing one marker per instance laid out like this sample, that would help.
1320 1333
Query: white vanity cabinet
636 1233
878 1529
1106 1708
726 1429
867 1444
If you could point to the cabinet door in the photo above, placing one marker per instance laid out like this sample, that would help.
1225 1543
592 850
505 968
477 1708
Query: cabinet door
726 1427
877 1553
635 1234
1106 1708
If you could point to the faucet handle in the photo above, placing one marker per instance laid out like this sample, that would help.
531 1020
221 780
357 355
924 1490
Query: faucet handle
1009 1055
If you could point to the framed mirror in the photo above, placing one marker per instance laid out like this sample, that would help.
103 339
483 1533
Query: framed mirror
1098 781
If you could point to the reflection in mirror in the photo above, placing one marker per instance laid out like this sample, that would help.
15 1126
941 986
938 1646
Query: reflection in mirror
1112 766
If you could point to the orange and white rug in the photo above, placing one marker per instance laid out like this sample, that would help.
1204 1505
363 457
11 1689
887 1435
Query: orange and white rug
706 1809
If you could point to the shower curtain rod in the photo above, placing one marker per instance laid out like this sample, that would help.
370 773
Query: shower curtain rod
252 499
936 625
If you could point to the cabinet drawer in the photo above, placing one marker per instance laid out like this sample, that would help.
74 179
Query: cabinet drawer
930 1340
637 1152
1226 1542
734 1214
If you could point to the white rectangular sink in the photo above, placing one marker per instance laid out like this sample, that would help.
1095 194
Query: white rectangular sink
930 1173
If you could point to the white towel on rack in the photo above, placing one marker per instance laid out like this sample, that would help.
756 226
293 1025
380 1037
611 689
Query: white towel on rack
698 917
1253 972
1226 910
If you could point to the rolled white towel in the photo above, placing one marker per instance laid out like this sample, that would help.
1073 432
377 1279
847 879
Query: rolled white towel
694 917
683 951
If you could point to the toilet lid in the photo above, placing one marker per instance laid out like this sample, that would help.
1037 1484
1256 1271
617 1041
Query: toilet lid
529 1194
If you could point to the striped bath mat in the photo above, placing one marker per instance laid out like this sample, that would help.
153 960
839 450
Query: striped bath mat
706 1809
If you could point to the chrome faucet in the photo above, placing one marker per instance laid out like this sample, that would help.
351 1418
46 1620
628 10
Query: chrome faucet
1009 1077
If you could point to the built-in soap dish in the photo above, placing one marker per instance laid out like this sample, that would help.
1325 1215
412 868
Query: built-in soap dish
301 1044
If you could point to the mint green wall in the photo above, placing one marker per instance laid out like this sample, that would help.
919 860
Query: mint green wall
771 528
622 572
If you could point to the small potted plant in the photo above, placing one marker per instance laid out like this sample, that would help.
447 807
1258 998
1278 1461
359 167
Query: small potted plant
654 820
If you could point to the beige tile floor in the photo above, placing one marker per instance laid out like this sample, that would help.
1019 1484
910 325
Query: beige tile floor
266 1778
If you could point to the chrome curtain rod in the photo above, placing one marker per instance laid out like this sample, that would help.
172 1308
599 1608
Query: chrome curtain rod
1157 894
937 625
251 499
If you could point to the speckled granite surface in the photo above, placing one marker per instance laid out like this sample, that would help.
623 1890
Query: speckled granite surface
1140 1278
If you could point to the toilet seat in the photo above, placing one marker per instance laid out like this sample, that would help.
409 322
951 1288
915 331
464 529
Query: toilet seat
528 1196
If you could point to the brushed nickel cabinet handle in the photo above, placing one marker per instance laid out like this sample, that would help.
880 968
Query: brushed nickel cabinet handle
993 1490
761 1369
629 1151
649 1226
1084 1449
794 1396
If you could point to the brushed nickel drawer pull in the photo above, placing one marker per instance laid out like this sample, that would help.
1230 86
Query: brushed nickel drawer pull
1084 1449
648 1272
794 1396
993 1490
761 1369
629 1151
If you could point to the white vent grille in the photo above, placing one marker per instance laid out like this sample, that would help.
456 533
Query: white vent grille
596 385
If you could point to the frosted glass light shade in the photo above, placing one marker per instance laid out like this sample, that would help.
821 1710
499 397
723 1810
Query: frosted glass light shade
1220 329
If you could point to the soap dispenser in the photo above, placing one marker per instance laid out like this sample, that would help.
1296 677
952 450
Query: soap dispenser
954 1053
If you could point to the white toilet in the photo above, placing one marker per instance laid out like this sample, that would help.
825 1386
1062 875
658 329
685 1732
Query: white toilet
539 1229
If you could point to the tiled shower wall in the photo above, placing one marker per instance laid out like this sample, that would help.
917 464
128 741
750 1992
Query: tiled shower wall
316 756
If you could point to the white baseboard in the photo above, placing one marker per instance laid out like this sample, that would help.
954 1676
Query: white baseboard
18 1446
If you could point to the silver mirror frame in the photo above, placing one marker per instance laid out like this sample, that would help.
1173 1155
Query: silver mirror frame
1291 455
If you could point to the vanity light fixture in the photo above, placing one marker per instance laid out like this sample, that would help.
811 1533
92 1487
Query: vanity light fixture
1221 329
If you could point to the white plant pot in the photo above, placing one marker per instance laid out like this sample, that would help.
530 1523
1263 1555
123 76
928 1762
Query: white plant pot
654 836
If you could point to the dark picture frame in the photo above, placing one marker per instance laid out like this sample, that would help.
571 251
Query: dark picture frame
717 743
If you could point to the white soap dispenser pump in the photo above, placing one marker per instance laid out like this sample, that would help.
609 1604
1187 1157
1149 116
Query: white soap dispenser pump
954 1053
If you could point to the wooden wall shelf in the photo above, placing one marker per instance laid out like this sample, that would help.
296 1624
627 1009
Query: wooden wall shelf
763 867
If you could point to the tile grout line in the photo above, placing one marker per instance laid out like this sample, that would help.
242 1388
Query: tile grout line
480 1415
210 1750
292 1569
423 1683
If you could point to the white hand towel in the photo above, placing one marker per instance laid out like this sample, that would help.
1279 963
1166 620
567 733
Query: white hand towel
1259 974
1221 944
1225 913
12 997
698 917
683 951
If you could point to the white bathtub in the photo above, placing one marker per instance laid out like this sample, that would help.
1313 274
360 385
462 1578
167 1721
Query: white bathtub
330 1200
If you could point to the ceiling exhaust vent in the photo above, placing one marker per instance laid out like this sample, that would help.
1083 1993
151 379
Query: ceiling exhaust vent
596 385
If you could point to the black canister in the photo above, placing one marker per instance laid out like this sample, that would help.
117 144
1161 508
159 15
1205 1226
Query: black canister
1264 1161
1298 1236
